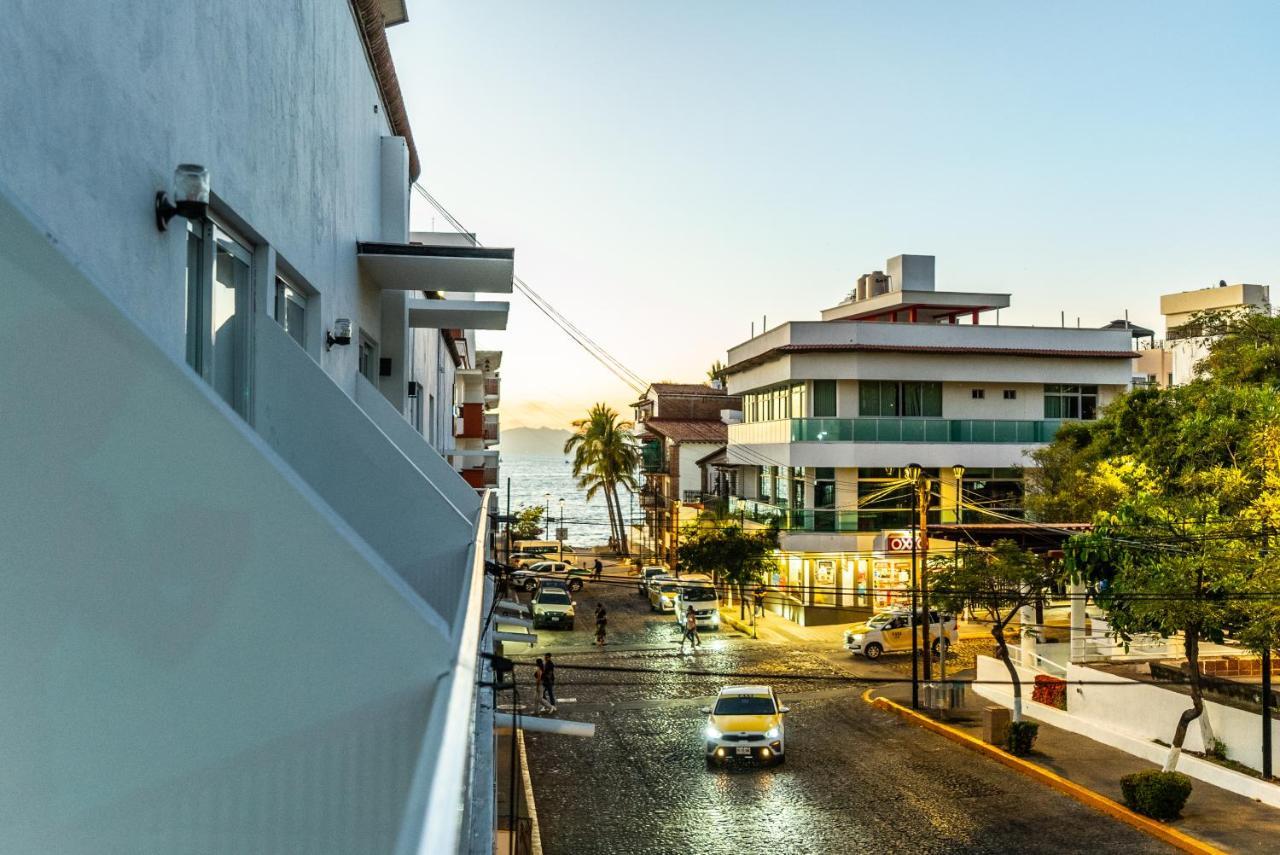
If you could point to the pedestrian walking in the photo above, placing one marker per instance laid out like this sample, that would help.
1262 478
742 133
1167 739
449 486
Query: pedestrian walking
602 623
599 570
690 630
758 596
549 680
539 687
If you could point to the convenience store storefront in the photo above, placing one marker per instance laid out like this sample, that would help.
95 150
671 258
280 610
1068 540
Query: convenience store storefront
816 587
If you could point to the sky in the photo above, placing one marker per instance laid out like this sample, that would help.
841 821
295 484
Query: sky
671 172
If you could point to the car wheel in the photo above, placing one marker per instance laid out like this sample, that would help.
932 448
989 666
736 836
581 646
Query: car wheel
712 763
939 645
779 759
872 650
530 584
575 586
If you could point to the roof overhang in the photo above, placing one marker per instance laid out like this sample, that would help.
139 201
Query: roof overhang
457 314
943 350
420 267
393 12
929 306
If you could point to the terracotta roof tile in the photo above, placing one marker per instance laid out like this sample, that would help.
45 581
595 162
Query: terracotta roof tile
689 431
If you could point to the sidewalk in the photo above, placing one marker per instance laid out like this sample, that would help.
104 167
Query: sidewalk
1220 818
774 627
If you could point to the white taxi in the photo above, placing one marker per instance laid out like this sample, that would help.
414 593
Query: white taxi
890 632
745 723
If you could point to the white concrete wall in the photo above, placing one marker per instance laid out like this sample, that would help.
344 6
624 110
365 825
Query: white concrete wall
198 654
690 474
1131 715
894 454
276 98
360 472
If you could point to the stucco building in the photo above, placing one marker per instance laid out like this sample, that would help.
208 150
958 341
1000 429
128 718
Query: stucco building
245 578
833 410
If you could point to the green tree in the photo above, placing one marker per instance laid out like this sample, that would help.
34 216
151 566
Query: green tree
733 556
528 524
1244 346
717 373
994 583
605 457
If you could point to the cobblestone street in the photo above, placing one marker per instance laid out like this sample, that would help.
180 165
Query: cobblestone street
856 779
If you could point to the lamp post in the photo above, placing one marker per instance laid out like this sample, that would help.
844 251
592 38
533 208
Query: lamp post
957 472
546 507
560 530
913 475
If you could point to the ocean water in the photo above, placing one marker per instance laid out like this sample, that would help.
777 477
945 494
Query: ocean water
533 476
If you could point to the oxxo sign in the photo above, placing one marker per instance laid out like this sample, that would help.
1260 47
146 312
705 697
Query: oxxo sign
898 541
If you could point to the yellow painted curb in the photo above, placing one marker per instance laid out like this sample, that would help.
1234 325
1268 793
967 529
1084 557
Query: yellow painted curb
1084 795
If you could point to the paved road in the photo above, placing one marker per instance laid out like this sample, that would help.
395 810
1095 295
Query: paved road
856 779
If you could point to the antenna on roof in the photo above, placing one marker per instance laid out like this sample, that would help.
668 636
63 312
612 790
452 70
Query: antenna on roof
753 329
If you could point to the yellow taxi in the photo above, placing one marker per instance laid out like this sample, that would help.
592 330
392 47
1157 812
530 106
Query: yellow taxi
745 723
890 632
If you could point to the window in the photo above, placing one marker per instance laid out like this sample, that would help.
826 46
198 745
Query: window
766 483
782 487
368 358
824 399
891 398
998 490
1068 401
824 499
1010 394
291 310
219 279
798 401
978 394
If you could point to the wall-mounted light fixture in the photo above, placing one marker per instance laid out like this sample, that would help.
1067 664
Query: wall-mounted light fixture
340 334
191 192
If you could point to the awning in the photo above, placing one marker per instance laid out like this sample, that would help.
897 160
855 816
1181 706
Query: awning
457 314
420 267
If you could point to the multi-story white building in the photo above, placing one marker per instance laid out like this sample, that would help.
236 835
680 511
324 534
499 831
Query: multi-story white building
900 373
1173 361
245 588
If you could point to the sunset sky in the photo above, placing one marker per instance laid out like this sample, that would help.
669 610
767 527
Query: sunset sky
670 172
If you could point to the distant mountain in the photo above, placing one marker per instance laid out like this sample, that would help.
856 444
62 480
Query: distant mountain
547 441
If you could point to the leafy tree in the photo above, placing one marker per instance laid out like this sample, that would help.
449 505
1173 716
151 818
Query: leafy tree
728 553
605 457
716 373
1244 346
528 524
995 584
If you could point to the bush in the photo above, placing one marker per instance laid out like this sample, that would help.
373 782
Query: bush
1217 749
1159 795
1022 736
1050 691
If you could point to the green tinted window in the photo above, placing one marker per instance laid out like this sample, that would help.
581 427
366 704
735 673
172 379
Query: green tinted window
824 399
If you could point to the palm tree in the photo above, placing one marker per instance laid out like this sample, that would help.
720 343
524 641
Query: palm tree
604 457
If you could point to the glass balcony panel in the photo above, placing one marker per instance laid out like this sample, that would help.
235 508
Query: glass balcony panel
912 430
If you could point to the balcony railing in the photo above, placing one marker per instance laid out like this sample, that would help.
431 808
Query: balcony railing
793 519
1019 431
492 387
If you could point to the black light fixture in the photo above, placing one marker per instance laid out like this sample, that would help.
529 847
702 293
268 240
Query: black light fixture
912 471
957 472
191 192
340 334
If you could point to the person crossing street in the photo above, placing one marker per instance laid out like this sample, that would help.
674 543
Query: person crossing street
690 630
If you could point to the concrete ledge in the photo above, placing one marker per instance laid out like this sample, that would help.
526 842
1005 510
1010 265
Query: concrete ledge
1084 795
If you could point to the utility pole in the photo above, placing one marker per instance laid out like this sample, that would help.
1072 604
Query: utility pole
1266 710
922 545
913 475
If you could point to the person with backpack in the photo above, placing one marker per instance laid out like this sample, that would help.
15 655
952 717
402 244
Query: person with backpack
758 597
549 681
598 570
539 687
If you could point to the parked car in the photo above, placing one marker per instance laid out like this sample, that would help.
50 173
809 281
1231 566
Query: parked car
890 632
523 559
528 577
662 593
702 598
745 723
647 572
552 606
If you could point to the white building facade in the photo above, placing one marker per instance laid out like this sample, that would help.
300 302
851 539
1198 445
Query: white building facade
834 410
244 571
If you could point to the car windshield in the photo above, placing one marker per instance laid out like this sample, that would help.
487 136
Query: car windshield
554 596
699 594
744 705
668 587
879 620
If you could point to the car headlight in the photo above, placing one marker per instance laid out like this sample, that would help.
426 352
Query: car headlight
665 601
569 613
857 636
712 732
773 733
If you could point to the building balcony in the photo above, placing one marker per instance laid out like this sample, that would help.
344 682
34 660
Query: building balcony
470 425
490 429
492 391
481 477
652 458
913 430
831 520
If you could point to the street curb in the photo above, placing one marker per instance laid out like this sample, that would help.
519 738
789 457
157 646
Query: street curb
1084 795
741 627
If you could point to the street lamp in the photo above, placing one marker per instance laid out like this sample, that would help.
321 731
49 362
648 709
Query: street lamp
546 504
560 530
919 590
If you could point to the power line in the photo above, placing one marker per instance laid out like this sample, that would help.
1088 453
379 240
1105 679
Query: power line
597 351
